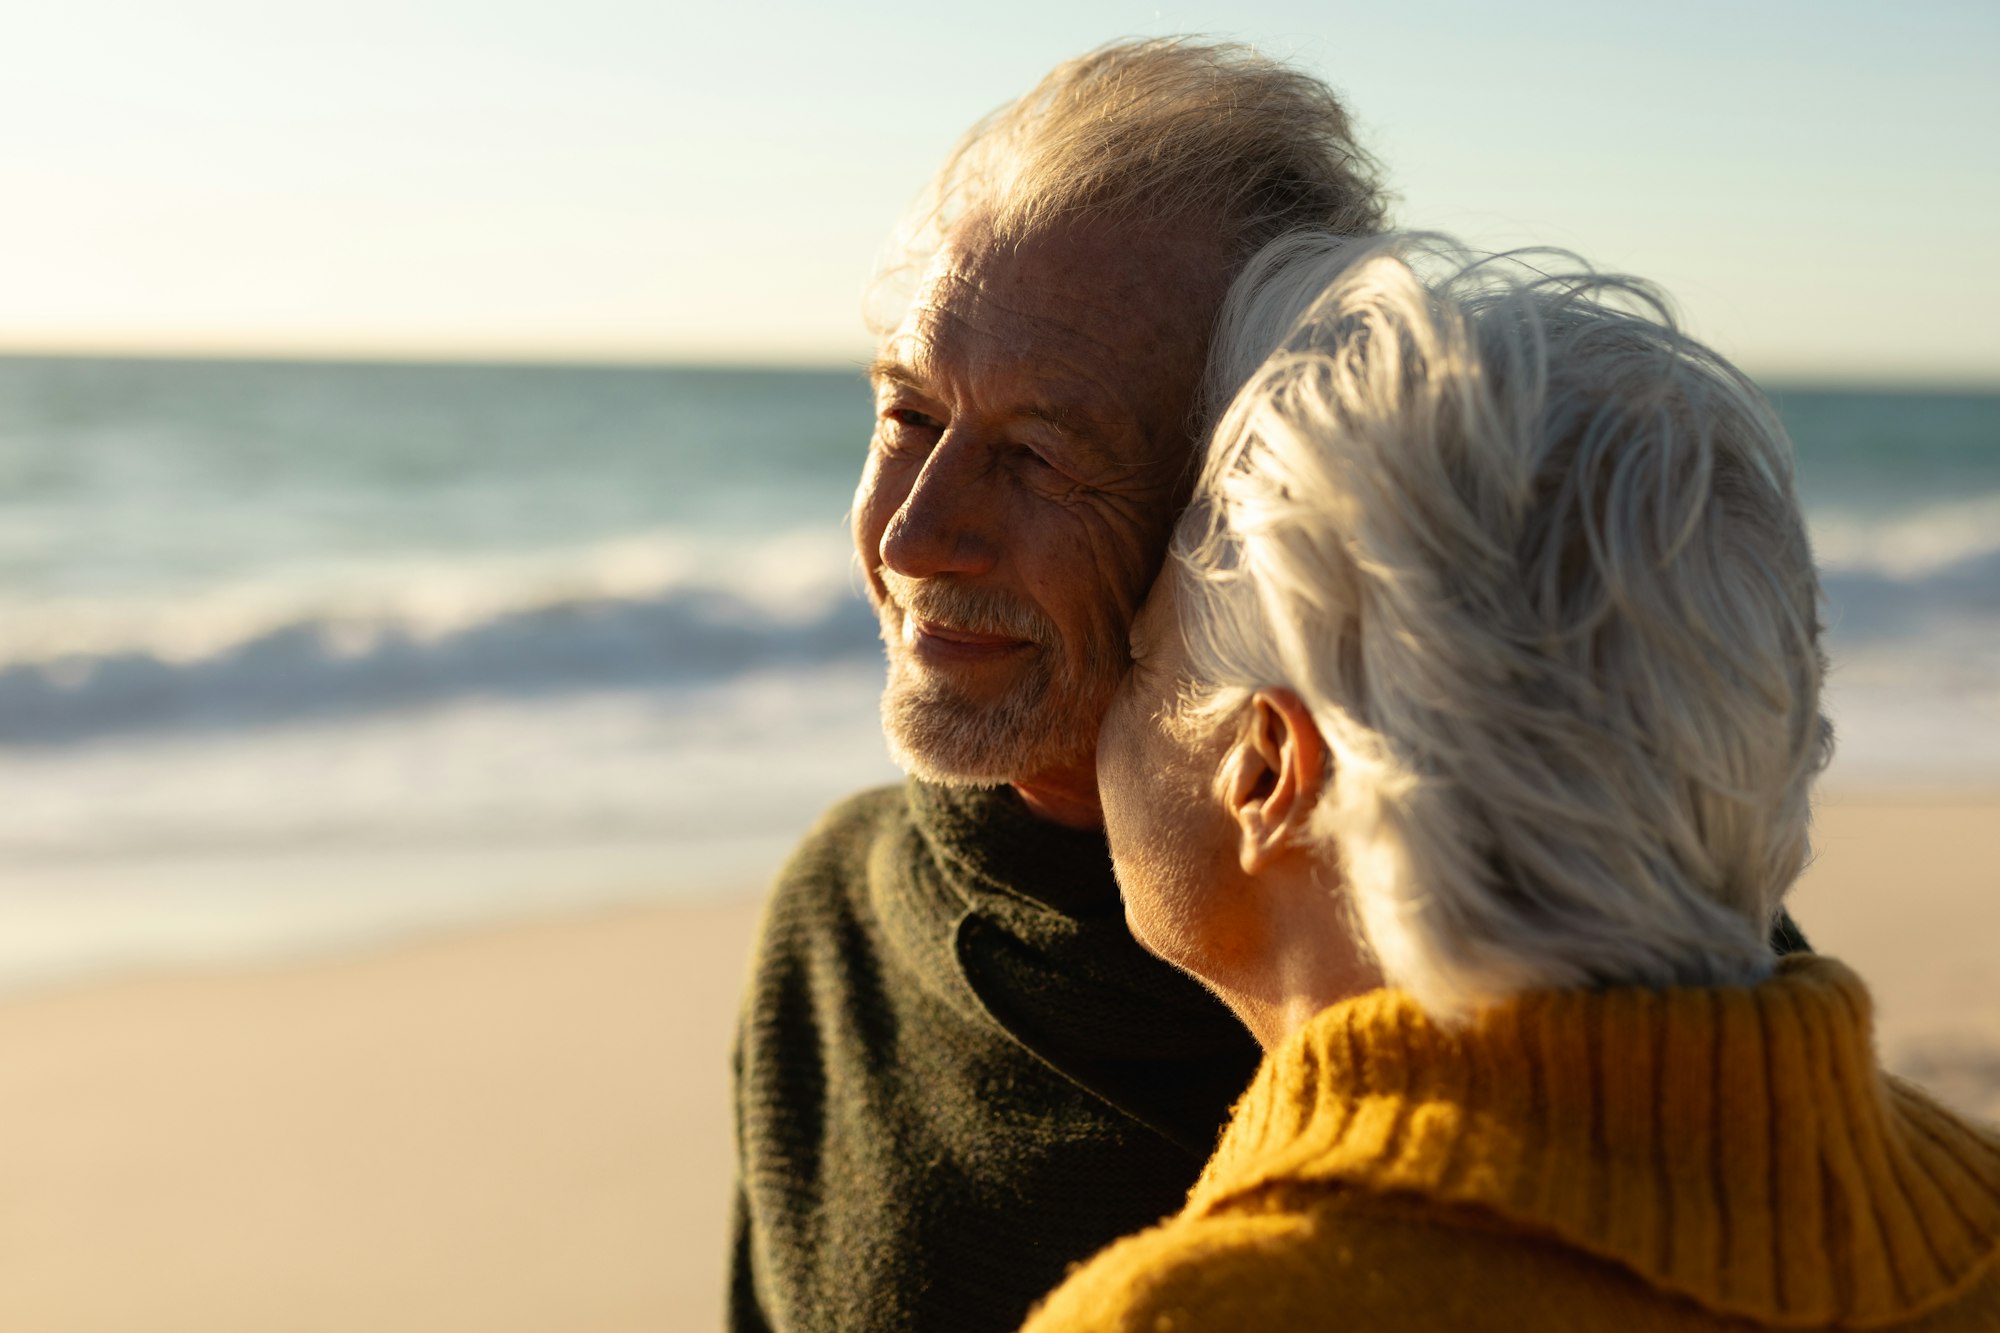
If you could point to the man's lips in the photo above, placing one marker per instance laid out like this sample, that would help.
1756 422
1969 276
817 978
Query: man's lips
945 643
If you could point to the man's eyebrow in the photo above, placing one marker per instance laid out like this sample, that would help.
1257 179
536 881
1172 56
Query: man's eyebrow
1077 425
895 372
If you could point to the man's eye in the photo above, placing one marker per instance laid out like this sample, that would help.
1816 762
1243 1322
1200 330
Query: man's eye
911 419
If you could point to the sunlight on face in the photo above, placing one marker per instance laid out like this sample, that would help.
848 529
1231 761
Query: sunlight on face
1030 444
1171 839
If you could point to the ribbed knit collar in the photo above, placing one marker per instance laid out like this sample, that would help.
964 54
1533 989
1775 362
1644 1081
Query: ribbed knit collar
1000 855
1739 1146
1025 916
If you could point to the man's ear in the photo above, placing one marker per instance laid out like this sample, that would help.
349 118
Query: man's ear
1272 776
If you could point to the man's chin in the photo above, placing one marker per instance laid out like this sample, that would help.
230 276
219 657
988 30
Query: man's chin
958 743
920 765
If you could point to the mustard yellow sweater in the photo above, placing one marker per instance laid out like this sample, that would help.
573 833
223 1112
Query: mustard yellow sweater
1629 1160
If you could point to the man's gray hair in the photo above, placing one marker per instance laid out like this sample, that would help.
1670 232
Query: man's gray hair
1535 561
1167 130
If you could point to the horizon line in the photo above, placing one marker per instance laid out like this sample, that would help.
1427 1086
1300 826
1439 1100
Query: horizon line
594 358
1987 382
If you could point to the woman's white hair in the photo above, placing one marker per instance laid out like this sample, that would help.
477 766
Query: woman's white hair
1534 560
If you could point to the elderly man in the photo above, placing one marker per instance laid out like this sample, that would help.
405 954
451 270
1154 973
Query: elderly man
957 1073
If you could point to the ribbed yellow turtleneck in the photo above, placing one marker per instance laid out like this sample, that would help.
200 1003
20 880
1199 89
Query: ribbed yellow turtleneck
1637 1159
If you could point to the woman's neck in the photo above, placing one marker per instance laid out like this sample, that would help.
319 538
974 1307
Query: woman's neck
1307 957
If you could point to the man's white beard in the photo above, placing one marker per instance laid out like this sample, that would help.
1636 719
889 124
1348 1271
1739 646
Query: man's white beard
1048 720
937 734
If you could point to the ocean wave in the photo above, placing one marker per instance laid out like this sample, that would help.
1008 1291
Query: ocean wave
1942 538
1872 604
666 609
336 664
1916 575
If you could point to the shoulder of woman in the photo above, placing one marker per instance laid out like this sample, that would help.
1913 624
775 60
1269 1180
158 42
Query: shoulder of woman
1231 1271
1357 1261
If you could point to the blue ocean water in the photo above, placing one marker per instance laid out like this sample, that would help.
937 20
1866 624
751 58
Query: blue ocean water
292 652
189 540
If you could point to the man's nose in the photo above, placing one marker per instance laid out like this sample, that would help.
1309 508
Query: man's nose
944 524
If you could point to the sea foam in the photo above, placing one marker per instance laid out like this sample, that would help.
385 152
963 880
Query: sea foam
641 611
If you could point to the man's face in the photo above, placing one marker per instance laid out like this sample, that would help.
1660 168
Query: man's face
1031 443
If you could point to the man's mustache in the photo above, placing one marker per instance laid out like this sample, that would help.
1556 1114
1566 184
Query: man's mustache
955 606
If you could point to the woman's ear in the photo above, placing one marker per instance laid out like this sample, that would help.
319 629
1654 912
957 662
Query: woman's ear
1272 776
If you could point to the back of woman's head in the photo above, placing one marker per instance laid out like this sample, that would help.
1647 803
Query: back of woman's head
1534 560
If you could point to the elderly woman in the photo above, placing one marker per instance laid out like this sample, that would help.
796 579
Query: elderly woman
1466 756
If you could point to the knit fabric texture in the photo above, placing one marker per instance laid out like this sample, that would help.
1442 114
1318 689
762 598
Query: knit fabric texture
1618 1159
957 1074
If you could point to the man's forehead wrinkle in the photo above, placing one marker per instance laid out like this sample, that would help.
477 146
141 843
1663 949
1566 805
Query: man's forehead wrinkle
1088 294
1040 379
984 313
1098 337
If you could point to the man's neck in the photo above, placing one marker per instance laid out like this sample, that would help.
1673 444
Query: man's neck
1068 798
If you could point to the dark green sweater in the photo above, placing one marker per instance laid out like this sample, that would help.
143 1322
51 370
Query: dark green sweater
957 1074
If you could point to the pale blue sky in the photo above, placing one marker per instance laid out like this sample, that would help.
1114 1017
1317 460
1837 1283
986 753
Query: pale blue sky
1816 183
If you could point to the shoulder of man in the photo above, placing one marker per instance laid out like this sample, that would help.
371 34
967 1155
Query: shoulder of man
820 893
839 841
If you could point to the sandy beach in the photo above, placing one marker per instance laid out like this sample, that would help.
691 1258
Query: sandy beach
526 1127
